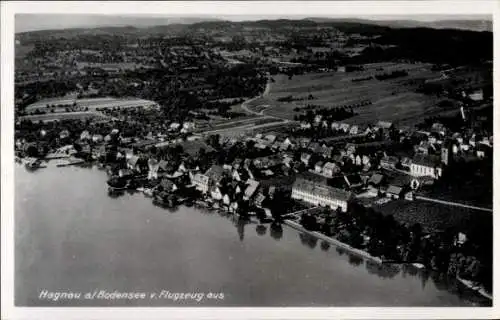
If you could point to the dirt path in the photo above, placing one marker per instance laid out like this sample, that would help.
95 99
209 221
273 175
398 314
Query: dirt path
449 203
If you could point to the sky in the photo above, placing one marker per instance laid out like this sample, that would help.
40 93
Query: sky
34 22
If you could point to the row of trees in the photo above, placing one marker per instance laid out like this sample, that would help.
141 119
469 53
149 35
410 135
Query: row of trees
327 114
382 236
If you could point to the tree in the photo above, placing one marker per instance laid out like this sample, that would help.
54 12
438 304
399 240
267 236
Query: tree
32 151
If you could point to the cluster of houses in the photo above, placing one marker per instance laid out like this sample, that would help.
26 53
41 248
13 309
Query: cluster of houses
346 128
394 176
229 186
344 167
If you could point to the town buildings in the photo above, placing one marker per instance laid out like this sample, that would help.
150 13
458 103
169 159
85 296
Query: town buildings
426 166
201 182
321 195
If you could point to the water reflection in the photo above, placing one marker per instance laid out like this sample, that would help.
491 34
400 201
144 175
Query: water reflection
325 246
409 269
340 251
409 291
240 227
308 240
276 231
383 271
355 260
261 229
132 191
424 277
115 193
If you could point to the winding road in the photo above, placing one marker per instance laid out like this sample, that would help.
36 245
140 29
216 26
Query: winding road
260 114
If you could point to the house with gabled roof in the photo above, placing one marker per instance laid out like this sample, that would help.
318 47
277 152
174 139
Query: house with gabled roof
314 147
167 185
237 163
394 192
304 142
406 162
270 137
200 181
305 158
215 174
216 193
389 162
318 167
376 180
384 125
354 130
345 127
335 125
250 190
226 200
330 169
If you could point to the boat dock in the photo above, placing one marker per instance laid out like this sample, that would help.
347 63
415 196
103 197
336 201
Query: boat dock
68 162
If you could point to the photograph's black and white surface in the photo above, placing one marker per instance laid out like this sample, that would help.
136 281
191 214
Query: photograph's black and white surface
253 161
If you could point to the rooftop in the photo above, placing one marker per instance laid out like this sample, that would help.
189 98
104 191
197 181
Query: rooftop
384 124
215 172
425 160
394 189
322 190
376 179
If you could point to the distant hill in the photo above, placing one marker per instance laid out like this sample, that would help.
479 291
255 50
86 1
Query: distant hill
37 22
465 24
44 22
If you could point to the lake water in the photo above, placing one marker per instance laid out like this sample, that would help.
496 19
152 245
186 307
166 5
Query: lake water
70 235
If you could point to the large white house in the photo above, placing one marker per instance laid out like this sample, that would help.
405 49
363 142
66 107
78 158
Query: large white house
424 166
321 195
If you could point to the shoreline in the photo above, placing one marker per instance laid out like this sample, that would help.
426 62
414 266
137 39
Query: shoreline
334 241
358 252
478 289
363 254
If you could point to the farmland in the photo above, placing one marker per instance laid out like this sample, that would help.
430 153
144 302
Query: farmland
91 104
253 121
392 99
236 129
63 116
433 216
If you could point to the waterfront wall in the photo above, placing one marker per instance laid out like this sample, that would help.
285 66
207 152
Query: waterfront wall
333 241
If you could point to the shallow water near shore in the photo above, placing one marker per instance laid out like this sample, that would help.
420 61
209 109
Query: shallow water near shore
70 235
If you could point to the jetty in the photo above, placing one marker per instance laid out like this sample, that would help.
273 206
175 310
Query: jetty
69 162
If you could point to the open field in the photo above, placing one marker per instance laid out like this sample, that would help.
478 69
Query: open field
241 123
63 116
119 65
393 100
91 104
261 125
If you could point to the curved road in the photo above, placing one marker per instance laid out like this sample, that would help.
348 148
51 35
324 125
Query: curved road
261 114
265 93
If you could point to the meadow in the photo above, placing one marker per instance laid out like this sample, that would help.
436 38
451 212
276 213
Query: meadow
391 100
